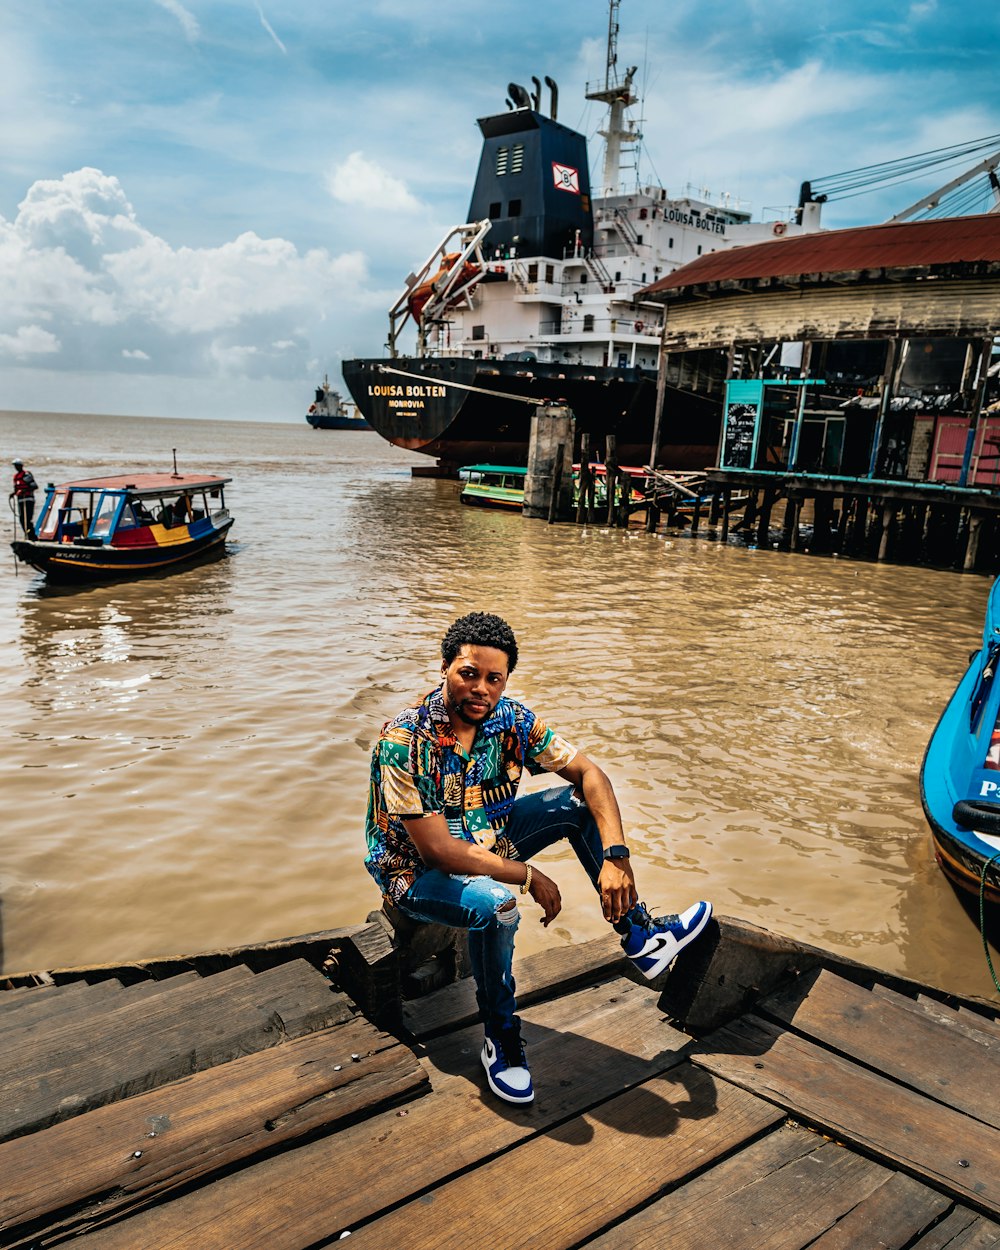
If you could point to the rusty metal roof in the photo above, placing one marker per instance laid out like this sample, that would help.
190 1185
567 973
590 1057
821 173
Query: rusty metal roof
946 241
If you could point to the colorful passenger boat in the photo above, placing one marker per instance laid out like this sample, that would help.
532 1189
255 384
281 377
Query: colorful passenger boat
105 528
502 485
494 485
960 774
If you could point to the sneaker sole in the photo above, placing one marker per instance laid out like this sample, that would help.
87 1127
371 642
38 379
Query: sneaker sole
667 957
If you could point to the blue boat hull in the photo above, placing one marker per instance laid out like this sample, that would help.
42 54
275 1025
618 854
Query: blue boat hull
959 784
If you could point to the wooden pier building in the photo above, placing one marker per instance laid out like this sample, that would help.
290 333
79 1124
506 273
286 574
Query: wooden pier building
854 370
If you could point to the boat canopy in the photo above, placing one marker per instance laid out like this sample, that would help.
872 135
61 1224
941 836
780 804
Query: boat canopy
146 485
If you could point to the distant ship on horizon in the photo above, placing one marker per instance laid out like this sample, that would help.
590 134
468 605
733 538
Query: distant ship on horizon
328 411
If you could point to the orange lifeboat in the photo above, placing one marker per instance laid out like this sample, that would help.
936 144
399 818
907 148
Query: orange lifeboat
422 293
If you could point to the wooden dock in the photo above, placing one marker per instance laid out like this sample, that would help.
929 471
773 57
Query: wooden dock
229 1103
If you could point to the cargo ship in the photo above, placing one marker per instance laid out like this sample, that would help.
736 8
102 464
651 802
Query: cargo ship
537 297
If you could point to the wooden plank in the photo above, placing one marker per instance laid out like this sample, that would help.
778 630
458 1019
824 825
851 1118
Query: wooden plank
560 970
778 1194
943 1059
137 1047
118 1157
962 1020
583 1050
34 1007
959 1231
889 1218
649 1137
902 1127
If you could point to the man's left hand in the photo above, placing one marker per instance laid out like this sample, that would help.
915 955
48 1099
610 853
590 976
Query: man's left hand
617 886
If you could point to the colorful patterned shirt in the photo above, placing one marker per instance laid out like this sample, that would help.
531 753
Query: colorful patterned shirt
419 767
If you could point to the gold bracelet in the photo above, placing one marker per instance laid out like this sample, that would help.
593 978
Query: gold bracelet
526 885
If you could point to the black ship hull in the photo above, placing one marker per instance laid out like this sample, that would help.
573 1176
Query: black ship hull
465 411
324 421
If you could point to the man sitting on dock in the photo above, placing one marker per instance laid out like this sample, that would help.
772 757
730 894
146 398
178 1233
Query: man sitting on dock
447 835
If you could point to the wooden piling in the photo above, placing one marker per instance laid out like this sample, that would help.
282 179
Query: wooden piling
972 546
764 523
726 499
611 465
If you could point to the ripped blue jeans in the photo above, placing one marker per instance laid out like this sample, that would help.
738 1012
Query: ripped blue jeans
477 903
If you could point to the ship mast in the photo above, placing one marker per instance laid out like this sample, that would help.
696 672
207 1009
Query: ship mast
617 95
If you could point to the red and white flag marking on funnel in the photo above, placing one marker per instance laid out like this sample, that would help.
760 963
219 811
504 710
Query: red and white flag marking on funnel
566 177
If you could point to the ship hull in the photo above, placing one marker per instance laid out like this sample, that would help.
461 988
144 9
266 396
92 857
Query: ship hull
422 404
323 421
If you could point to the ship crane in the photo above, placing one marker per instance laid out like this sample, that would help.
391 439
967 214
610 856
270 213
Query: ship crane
445 278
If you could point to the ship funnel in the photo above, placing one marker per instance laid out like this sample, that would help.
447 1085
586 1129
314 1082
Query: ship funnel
554 97
521 98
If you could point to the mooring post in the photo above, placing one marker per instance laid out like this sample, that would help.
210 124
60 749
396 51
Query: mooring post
611 466
972 546
551 426
584 487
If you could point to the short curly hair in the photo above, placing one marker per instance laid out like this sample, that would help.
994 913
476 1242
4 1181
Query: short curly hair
480 629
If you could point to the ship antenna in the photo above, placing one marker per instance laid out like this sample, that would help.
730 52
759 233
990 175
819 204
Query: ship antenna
618 96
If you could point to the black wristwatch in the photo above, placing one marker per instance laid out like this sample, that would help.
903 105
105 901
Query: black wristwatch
616 852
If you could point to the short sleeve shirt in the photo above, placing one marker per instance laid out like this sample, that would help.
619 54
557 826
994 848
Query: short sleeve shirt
419 768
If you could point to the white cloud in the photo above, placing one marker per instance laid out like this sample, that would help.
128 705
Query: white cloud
270 29
76 259
358 180
28 341
189 23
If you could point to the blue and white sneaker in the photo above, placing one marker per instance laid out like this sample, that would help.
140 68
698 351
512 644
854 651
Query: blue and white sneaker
654 942
506 1067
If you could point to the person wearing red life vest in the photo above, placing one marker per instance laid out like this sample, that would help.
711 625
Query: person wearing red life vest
24 493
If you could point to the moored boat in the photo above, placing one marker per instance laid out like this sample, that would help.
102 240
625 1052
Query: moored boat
960 774
131 525
329 411
502 485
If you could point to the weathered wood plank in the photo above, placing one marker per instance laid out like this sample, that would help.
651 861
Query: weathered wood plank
963 1021
683 1124
954 1231
583 1049
778 1194
34 1007
560 970
118 1157
942 1059
889 1218
71 1068
898 1125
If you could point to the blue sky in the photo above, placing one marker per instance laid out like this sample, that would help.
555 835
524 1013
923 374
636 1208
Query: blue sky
207 204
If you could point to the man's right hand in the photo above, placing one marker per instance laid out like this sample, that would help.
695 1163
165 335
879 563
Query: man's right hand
546 894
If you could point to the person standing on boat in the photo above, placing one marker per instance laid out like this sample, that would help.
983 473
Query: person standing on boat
24 494
450 843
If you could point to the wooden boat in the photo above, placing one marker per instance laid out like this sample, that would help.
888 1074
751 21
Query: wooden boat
960 773
494 486
502 486
766 1093
104 528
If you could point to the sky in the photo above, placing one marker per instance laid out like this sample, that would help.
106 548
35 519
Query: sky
207 205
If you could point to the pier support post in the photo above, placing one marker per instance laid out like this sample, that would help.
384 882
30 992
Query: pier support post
611 475
972 546
764 521
888 512
791 525
727 495
551 426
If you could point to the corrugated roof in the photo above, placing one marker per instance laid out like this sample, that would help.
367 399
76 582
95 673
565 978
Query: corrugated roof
897 245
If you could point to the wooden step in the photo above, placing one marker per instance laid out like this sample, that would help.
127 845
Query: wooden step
942 1147
20 1008
914 1044
584 1049
789 1190
98 1166
48 1074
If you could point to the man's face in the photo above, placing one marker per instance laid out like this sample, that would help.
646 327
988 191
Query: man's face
474 682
